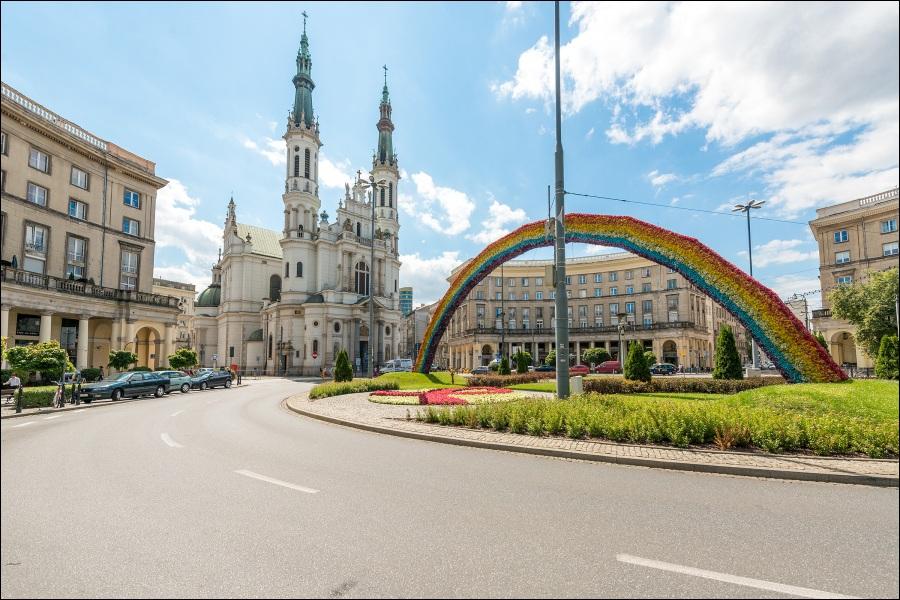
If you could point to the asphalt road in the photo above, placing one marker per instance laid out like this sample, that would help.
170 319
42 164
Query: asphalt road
225 493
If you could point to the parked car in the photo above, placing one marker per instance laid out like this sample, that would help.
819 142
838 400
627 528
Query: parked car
579 370
211 379
178 380
545 369
663 369
126 385
609 366
480 371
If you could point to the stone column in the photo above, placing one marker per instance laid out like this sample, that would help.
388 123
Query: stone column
169 347
83 341
130 333
577 353
4 327
46 321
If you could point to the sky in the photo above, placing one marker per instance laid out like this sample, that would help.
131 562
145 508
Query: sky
685 105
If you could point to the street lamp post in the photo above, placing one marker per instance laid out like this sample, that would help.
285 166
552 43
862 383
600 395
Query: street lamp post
746 208
373 186
559 245
502 314
621 327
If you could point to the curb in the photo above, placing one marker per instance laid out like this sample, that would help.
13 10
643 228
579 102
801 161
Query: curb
872 480
82 406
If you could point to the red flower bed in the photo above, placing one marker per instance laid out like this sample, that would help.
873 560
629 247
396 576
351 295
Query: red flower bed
457 395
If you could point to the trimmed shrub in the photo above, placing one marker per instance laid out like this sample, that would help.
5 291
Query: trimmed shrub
595 356
886 366
90 374
342 369
41 396
523 359
617 385
506 380
504 366
728 362
821 339
550 359
355 386
636 367
140 370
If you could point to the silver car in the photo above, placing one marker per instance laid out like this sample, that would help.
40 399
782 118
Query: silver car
178 380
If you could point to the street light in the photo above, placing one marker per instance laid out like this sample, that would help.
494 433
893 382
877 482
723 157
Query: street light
502 314
621 326
746 208
373 186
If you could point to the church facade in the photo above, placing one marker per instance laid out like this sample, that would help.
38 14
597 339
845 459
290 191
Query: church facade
287 302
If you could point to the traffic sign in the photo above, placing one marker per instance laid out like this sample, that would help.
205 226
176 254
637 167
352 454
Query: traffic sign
315 355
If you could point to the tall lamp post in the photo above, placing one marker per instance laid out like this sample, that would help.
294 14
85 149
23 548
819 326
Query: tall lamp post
621 326
373 186
746 208
502 314
559 270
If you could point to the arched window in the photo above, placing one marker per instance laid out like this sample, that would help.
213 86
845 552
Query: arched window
274 288
306 168
299 269
270 345
362 279
296 165
287 270
358 230
391 194
316 346
382 196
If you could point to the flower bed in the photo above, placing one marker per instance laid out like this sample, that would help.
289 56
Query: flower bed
446 396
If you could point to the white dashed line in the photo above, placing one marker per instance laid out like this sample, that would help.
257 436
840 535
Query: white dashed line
292 486
176 413
24 424
725 577
172 443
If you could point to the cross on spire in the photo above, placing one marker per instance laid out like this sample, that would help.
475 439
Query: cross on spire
385 74
304 20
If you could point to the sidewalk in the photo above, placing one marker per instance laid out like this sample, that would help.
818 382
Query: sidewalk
355 410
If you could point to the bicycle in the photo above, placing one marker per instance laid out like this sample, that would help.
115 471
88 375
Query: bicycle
59 399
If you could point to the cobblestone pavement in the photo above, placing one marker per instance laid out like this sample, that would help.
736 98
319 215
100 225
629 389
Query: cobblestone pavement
355 409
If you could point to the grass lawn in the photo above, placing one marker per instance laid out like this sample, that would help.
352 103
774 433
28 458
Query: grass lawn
540 386
421 381
869 399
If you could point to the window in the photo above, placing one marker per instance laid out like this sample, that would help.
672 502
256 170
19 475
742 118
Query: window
299 269
539 295
613 276
645 272
382 196
568 293
629 308
598 310
79 178
29 325
524 282
647 320
645 287
76 252
129 270
671 284
358 229
132 198
498 296
296 165
479 295
613 291
841 258
629 289
36 194
647 306
287 270
598 277
39 160
3 149
538 281
840 236
889 226
598 292
582 279
498 281
35 248
629 274
130 226
512 295
582 293
511 282
77 209
306 163
568 279
274 291
362 278
391 195
845 280
582 311
889 249
553 294
524 295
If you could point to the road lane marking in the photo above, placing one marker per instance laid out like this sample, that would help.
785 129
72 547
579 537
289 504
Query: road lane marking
176 413
172 443
24 424
735 579
292 486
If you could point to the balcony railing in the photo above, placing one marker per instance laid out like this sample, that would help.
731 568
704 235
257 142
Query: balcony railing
602 329
822 313
68 286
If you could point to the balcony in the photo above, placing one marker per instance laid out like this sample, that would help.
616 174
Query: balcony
8 275
822 313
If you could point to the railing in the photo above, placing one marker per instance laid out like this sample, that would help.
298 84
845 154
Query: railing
822 313
876 198
611 329
69 286
52 117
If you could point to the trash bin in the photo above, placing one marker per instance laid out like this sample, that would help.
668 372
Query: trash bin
577 385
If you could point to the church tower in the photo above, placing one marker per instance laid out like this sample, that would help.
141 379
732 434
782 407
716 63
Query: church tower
301 188
385 167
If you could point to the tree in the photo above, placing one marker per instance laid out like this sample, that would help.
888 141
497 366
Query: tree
342 369
595 356
183 358
551 358
504 366
649 357
869 305
821 339
636 367
48 358
886 367
121 359
523 359
728 362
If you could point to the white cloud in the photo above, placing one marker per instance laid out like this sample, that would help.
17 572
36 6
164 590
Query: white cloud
530 110
272 150
513 5
334 174
443 209
589 134
658 179
177 227
495 226
780 252
427 276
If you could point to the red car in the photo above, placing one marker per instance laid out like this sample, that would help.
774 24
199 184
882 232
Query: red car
579 370
609 366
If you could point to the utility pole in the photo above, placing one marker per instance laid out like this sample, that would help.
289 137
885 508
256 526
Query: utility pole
559 272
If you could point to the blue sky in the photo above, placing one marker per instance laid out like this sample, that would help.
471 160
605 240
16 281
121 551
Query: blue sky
689 105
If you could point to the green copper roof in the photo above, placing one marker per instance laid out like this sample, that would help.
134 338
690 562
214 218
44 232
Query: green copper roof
385 127
210 297
303 83
264 241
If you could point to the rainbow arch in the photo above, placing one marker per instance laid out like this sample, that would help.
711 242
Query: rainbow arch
793 350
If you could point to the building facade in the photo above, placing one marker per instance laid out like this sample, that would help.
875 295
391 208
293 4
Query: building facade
78 219
855 238
406 300
185 292
514 309
289 301
412 329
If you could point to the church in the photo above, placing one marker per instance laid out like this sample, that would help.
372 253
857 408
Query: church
287 302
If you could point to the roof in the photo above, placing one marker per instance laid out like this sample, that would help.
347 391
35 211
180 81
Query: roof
264 241
211 296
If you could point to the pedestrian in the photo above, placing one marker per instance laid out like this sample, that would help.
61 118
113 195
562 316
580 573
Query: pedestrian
13 381
59 398
239 377
101 371
77 393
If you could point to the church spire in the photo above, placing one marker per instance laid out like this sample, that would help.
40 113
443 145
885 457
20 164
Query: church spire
303 83
385 153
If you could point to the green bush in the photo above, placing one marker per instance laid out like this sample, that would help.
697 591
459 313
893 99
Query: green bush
636 367
90 374
506 380
550 359
494 367
342 369
121 359
41 396
504 366
594 356
139 370
355 386
727 360
523 359
183 358
617 385
886 366
5 374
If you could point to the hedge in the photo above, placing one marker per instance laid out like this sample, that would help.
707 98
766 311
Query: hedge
40 396
618 385
507 380
337 388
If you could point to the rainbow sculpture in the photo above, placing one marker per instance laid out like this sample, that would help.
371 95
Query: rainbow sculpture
793 350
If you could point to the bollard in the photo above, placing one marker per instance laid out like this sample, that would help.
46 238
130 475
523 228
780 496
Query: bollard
577 385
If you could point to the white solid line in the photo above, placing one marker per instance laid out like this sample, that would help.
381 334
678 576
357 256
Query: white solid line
176 413
165 437
299 488
735 579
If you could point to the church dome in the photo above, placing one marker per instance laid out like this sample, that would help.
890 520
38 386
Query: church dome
210 296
